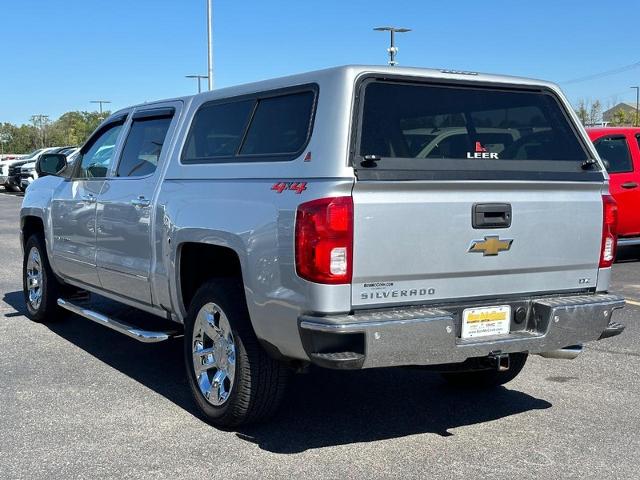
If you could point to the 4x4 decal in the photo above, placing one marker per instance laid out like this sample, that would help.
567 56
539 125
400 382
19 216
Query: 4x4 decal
297 187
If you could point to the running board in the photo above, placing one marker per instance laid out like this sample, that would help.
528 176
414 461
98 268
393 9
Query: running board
130 331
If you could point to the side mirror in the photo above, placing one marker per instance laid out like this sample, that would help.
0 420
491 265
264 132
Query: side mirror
51 164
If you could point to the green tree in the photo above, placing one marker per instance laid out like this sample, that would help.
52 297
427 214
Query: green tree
582 112
623 117
72 128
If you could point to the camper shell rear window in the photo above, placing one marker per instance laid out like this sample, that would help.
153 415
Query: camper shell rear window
430 130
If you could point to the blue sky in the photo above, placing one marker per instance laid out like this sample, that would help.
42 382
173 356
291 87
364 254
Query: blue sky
59 55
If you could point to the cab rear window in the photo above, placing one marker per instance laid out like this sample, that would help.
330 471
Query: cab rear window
412 126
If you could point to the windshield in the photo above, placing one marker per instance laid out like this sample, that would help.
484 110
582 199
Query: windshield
450 127
34 153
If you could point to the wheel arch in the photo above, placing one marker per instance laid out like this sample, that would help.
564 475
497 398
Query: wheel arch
199 261
30 224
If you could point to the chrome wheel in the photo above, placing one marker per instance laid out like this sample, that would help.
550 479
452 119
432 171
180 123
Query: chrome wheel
214 354
34 278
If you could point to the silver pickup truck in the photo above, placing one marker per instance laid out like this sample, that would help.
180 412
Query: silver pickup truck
350 218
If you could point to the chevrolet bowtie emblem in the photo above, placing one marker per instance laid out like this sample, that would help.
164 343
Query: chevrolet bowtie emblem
491 245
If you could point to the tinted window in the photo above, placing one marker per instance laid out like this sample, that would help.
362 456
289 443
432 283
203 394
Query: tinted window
279 125
464 127
217 130
615 151
143 147
96 160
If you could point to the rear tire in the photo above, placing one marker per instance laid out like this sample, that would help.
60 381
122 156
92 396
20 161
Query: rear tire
487 378
40 286
231 377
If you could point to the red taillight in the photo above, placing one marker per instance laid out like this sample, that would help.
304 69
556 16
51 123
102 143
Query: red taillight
609 231
324 240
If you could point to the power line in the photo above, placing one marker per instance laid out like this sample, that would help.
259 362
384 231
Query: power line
595 76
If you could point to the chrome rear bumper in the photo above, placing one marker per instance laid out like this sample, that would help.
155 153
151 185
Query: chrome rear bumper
431 336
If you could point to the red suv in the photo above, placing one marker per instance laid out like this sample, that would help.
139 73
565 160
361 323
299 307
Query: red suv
620 148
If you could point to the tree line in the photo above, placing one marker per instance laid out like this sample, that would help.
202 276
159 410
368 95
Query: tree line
590 113
72 128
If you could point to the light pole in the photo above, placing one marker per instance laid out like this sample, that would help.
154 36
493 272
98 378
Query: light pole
393 50
210 42
101 102
637 89
199 77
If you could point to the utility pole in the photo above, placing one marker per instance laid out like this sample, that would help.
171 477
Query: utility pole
4 138
40 121
637 89
199 77
101 102
393 50
210 42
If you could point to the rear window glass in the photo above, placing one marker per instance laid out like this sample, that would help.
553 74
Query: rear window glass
614 151
451 127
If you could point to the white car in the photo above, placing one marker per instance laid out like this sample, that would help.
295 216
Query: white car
5 164
9 177
28 172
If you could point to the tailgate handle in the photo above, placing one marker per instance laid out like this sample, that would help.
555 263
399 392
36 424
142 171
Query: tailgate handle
491 215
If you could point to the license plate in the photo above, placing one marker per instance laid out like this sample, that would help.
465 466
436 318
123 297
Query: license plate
485 321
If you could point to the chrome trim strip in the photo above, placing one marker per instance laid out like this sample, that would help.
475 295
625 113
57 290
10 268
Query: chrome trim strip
627 242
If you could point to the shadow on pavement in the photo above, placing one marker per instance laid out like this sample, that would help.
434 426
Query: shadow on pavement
322 408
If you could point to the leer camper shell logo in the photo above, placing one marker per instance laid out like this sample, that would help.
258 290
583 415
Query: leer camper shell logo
481 152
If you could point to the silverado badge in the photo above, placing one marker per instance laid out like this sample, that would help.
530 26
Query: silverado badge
491 245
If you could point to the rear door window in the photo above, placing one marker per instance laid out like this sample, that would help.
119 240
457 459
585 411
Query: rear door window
614 151
434 127
143 146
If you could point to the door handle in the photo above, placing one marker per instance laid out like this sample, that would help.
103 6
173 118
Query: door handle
629 185
491 215
140 202
89 198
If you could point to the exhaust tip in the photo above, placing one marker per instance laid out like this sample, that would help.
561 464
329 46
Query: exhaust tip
566 353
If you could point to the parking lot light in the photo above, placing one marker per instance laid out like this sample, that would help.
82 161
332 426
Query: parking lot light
393 50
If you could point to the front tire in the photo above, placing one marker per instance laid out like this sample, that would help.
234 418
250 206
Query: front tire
40 286
232 379
487 378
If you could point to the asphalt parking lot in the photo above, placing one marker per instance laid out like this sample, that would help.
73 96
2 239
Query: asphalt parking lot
80 401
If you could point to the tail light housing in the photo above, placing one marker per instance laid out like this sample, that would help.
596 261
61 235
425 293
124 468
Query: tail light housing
609 231
324 240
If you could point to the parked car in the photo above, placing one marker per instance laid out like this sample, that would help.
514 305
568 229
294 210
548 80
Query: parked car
287 222
14 169
5 164
28 172
619 147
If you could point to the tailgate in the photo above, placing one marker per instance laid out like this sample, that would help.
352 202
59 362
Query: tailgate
471 190
415 241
